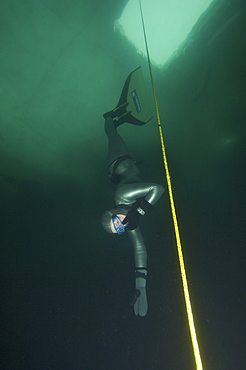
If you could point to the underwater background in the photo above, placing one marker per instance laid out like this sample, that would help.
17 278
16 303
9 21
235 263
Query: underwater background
66 285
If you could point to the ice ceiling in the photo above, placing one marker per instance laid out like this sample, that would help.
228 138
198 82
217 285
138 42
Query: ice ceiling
167 24
63 65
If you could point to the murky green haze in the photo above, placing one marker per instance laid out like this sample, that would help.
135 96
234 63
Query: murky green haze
67 284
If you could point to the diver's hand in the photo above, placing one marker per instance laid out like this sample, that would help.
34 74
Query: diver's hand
141 304
138 209
132 220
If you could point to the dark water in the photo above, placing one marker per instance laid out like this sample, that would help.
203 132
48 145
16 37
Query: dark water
66 285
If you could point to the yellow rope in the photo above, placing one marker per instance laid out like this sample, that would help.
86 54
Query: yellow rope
175 221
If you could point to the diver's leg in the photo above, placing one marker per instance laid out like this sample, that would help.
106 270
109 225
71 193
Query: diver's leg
116 145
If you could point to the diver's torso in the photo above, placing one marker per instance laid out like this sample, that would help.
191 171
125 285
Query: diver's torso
130 185
124 172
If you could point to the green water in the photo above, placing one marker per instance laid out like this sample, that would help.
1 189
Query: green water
66 284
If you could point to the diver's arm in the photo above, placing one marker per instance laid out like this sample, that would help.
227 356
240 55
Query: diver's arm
140 252
128 193
140 257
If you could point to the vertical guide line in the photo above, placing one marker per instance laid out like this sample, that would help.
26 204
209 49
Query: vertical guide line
175 221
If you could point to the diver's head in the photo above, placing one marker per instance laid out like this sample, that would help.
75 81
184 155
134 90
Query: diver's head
112 220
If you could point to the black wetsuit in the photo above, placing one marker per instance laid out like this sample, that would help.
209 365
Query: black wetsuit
130 187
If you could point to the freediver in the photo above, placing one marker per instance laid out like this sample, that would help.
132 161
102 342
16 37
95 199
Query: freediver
133 197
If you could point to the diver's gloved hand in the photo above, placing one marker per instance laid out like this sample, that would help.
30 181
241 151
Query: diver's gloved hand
140 303
138 209
132 220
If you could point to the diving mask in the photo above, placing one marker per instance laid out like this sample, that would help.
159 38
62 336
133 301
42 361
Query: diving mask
118 225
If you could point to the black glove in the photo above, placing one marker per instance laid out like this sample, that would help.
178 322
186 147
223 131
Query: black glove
132 220
138 209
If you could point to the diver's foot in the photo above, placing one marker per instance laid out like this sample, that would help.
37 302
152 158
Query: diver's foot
125 117
117 112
